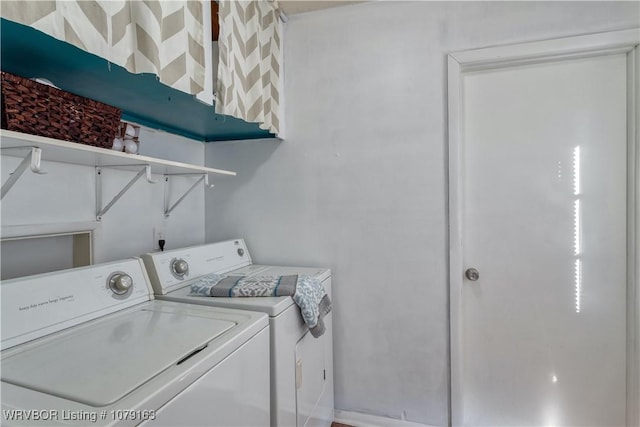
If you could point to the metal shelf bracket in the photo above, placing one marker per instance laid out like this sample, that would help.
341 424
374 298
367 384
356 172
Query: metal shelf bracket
167 209
100 211
32 160
206 182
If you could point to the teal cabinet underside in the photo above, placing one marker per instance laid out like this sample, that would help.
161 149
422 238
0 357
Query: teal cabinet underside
142 98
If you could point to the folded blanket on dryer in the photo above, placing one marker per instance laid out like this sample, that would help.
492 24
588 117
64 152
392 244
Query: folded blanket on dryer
307 292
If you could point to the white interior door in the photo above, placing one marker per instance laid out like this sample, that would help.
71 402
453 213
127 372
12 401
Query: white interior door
542 333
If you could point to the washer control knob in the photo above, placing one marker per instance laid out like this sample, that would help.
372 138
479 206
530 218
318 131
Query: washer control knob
179 267
120 283
240 252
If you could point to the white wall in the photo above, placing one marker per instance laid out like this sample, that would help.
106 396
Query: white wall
360 185
67 195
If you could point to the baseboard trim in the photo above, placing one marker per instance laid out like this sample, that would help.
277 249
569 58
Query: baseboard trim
357 419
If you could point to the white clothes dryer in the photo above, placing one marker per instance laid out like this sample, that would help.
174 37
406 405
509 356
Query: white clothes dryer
301 365
91 346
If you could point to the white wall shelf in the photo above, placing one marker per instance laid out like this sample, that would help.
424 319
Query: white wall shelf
33 149
79 154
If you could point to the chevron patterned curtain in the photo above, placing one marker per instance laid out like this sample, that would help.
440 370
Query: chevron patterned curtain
248 83
151 36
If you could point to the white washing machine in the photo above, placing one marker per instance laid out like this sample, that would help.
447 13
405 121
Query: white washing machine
301 365
91 346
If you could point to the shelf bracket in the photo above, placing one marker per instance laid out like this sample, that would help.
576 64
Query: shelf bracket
168 210
100 211
32 160
150 180
206 181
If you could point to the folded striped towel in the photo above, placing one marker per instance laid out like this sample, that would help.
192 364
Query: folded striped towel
307 292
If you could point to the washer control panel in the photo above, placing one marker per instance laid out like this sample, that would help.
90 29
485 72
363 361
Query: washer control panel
38 305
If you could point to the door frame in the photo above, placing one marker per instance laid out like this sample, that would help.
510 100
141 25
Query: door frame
459 63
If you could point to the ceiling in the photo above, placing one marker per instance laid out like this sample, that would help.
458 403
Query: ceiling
291 7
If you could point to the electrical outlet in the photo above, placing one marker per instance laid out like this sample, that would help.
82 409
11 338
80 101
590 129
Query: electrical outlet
158 234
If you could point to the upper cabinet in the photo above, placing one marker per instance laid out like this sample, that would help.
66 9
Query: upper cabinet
141 97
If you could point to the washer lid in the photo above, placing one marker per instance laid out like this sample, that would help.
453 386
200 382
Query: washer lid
99 363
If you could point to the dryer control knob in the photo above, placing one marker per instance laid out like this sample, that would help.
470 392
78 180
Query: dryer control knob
120 283
179 267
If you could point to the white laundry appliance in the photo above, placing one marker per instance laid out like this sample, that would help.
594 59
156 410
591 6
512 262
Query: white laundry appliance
91 346
301 365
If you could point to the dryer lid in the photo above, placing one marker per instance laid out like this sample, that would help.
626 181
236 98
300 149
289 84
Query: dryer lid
99 363
272 306
277 270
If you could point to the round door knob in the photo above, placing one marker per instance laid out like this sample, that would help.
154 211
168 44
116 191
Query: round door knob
472 274
179 267
120 283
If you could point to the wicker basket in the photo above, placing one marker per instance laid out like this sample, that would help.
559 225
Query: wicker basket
38 109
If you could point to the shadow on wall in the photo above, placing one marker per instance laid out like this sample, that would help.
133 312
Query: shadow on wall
242 157
246 158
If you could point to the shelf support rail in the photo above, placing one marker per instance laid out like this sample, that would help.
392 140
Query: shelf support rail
33 160
168 210
100 211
